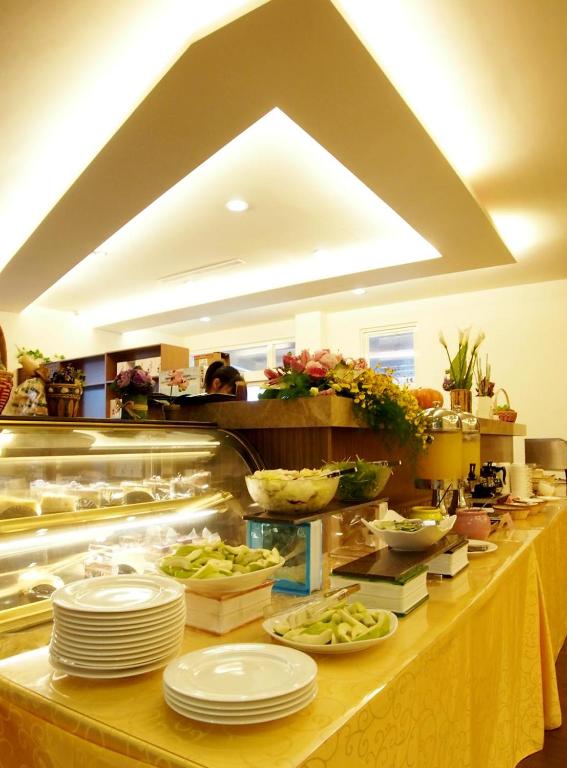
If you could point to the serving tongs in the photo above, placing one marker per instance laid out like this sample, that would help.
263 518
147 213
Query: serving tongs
354 470
299 611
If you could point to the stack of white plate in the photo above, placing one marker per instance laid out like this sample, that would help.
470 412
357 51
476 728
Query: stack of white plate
240 684
116 626
521 480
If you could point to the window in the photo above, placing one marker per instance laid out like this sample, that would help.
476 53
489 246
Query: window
393 348
253 359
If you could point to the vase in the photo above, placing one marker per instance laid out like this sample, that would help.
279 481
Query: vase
134 407
63 400
484 407
461 398
171 411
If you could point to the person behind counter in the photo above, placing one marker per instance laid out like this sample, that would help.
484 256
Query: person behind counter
224 379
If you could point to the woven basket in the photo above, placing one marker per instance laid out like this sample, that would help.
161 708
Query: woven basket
507 413
63 400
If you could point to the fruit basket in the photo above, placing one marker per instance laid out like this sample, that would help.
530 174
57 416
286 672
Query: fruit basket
504 412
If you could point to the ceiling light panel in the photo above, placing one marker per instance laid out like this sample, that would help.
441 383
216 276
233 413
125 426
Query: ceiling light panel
278 164
67 87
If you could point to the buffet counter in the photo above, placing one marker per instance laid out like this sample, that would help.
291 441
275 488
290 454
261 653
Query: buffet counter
309 430
468 679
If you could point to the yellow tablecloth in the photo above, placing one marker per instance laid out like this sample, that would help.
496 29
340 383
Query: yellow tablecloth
468 680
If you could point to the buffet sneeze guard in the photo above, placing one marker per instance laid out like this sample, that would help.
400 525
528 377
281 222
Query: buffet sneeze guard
82 498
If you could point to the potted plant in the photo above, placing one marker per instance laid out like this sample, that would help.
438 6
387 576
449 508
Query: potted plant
484 390
133 385
174 378
459 375
63 391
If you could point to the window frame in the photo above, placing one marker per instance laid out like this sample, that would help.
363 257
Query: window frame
390 330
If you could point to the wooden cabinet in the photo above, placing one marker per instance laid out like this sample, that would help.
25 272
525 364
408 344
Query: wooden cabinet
100 370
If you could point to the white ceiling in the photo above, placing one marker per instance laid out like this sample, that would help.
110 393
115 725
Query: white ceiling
484 79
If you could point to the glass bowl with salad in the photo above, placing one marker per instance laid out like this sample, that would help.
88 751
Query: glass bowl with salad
292 491
366 483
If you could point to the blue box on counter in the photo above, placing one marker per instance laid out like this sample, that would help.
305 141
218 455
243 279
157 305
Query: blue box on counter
301 543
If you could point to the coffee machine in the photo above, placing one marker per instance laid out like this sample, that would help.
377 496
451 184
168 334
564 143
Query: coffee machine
490 483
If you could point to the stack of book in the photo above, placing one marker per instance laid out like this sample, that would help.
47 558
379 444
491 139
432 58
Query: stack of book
397 581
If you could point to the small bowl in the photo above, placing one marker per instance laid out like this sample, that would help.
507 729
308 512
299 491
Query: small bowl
414 541
291 492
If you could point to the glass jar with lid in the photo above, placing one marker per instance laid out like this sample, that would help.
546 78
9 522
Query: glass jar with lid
470 426
442 459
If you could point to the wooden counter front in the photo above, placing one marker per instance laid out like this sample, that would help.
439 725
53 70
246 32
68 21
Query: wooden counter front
308 431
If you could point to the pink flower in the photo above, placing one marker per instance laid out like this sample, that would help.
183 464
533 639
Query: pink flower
329 359
315 369
304 357
271 375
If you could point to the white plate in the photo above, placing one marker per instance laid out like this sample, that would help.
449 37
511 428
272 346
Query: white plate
414 541
117 643
240 707
240 672
95 654
243 719
105 674
491 546
98 626
237 583
108 618
339 648
112 664
117 594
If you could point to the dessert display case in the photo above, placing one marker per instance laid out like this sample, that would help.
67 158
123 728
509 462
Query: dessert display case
85 498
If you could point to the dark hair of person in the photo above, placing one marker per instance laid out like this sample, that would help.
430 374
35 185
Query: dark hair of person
227 374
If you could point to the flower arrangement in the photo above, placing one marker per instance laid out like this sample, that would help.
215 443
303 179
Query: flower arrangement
459 374
380 401
301 375
67 374
484 387
377 398
133 381
176 378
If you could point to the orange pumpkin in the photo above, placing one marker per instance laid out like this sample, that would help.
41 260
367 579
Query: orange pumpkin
427 398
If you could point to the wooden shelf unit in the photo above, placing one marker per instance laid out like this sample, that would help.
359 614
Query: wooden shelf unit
100 371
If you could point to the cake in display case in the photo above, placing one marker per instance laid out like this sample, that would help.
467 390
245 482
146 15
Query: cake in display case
82 498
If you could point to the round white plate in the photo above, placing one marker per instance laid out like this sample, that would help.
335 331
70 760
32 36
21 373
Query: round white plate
339 648
112 664
240 707
118 643
243 719
122 639
491 547
105 674
95 654
240 672
109 617
100 626
237 583
117 594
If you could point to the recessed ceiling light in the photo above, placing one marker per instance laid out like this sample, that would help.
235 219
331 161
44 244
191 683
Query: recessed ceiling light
205 319
359 291
237 206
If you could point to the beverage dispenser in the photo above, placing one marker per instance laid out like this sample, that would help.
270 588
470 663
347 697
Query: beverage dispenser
440 466
470 468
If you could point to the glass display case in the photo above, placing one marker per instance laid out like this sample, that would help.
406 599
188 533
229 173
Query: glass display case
82 498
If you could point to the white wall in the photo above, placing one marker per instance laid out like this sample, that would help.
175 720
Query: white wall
62 333
218 341
525 343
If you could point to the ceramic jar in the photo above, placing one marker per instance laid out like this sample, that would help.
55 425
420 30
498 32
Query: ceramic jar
473 523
